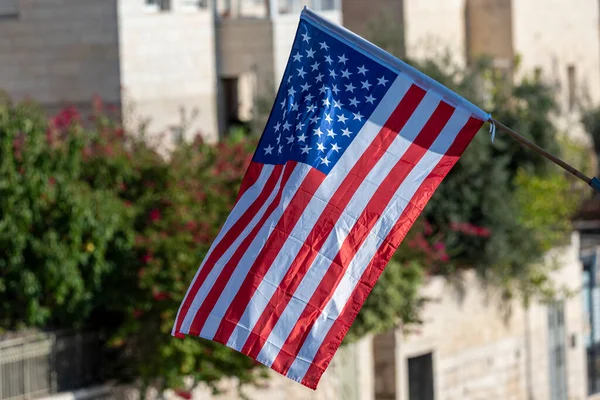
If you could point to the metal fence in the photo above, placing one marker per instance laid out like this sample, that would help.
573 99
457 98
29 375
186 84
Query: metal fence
44 363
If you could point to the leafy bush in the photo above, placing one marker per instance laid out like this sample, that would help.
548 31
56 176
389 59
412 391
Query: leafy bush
56 230
98 231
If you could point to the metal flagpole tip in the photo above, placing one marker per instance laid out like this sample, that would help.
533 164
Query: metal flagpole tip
595 184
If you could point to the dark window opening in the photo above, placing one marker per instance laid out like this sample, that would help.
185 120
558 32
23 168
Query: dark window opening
420 377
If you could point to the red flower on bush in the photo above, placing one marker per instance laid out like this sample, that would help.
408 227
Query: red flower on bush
137 313
154 215
183 394
51 181
470 229
65 117
159 296
146 258
427 228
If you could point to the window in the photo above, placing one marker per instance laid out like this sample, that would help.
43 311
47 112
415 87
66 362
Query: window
420 377
231 101
194 4
591 307
384 361
572 86
9 8
158 5
557 354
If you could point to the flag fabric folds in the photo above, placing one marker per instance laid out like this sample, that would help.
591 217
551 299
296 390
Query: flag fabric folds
356 144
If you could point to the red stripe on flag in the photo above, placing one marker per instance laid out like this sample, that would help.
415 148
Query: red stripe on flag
267 255
250 178
230 236
221 281
342 325
359 233
319 233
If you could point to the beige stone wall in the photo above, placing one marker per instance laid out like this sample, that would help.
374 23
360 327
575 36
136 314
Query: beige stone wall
168 64
360 15
433 27
481 351
61 51
246 50
489 30
554 34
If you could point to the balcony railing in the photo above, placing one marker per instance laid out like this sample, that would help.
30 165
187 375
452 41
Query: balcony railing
40 364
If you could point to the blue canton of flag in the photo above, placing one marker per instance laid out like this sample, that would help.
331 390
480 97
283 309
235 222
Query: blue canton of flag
328 91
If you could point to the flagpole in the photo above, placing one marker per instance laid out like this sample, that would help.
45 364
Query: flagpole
593 182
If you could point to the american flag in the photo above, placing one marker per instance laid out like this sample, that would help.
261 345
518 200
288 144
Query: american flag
356 144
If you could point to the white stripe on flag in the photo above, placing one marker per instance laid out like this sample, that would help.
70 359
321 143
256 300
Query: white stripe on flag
380 231
238 210
343 226
243 204
241 270
313 211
